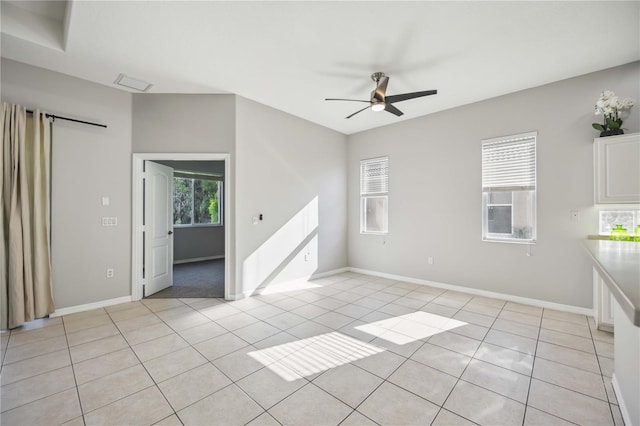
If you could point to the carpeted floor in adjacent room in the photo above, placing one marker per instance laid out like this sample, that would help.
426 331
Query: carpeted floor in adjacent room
196 279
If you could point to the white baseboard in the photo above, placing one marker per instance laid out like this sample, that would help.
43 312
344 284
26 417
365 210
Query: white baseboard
89 306
511 298
237 296
299 280
623 407
329 273
198 259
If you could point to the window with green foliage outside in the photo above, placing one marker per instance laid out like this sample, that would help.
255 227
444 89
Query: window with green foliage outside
197 201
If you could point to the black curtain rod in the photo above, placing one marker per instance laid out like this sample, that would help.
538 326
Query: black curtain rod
70 119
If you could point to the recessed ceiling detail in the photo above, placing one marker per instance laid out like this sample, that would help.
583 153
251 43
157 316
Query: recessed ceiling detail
291 55
41 22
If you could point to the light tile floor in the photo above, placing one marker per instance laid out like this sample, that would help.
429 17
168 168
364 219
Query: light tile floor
350 350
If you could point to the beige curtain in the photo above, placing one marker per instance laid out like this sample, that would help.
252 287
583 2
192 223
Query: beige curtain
25 268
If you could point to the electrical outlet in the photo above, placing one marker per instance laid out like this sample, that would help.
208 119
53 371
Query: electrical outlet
110 272
307 256
430 260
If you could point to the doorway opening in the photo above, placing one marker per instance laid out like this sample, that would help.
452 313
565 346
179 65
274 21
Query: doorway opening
181 226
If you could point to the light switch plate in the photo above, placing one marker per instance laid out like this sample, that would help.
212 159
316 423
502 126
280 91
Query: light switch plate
109 221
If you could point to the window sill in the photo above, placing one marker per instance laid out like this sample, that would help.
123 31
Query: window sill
496 240
606 238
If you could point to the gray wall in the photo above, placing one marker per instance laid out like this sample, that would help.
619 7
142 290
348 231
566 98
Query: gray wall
189 124
435 191
280 163
198 242
88 163
294 173
201 241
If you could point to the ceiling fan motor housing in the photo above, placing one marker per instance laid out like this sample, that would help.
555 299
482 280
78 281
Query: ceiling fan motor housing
379 100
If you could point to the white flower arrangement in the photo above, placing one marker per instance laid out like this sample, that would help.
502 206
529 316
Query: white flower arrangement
612 108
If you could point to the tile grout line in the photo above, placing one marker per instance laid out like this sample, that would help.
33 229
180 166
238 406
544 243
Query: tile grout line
232 382
353 320
466 366
75 380
602 375
336 330
550 383
533 366
142 365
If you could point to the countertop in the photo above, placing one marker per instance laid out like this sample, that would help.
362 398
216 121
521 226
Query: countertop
618 263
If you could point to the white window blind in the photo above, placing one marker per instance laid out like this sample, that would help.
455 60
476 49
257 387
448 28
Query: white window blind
374 176
509 164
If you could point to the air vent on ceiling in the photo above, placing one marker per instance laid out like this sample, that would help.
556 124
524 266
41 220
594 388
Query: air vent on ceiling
133 83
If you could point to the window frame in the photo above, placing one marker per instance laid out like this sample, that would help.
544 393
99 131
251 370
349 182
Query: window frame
364 196
533 188
488 205
633 210
184 175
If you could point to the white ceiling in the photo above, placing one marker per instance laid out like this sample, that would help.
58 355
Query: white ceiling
291 55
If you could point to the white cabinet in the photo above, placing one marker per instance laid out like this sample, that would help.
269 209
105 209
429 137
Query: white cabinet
602 303
617 169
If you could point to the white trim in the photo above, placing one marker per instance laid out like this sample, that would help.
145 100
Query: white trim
484 293
89 306
623 407
329 273
136 211
258 291
198 259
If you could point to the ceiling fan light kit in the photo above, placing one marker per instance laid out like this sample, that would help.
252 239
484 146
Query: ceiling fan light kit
377 106
380 101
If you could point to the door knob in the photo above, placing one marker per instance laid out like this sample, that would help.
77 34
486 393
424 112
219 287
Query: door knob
170 232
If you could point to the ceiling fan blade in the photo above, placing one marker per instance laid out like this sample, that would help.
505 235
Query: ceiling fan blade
352 100
393 110
381 89
357 112
406 96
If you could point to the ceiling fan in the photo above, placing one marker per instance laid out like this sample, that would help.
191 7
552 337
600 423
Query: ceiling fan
380 101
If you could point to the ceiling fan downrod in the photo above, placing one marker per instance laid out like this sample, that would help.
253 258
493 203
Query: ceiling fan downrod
376 76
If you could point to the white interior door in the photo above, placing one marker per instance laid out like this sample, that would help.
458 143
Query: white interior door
158 235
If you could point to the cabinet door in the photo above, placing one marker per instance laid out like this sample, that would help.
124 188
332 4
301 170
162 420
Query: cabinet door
617 169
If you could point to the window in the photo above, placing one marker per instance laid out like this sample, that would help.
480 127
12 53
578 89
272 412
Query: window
197 199
374 197
509 188
629 219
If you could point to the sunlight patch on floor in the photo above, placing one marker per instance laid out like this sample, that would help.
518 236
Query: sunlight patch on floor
301 284
410 327
314 355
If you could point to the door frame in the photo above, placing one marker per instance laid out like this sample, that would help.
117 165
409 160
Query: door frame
137 209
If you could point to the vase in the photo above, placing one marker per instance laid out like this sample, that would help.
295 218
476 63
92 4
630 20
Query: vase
611 132
619 233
